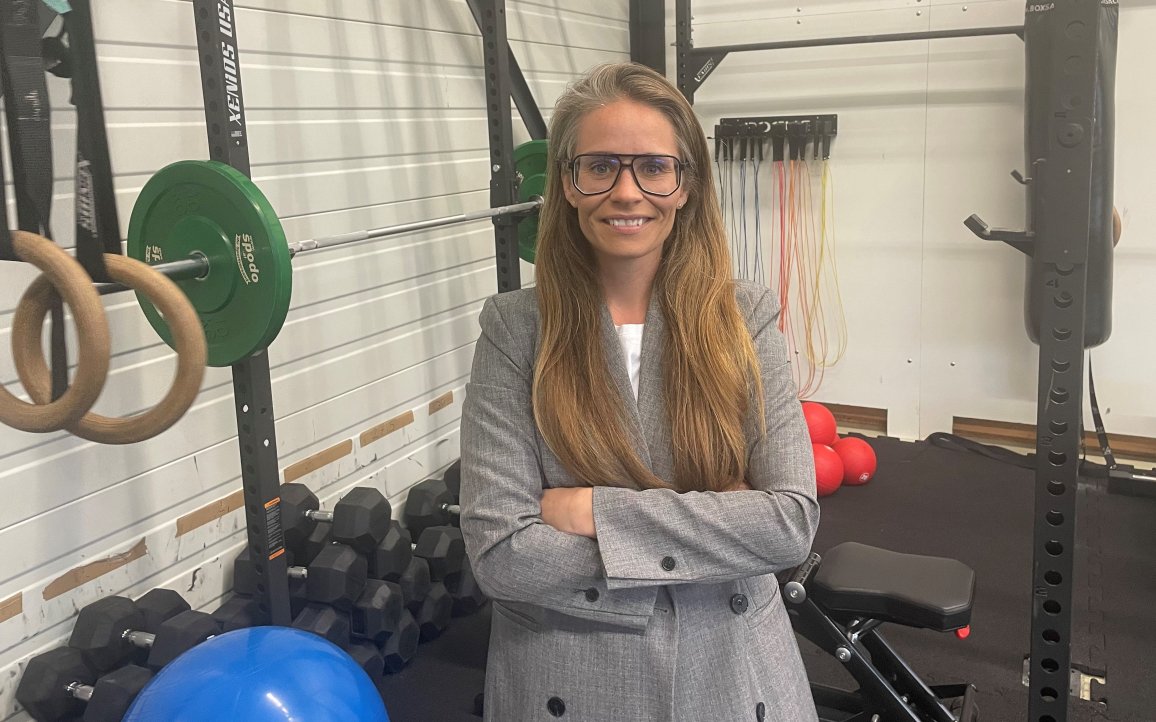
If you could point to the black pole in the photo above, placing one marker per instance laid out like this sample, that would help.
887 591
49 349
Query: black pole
1062 191
491 16
252 386
524 100
684 47
648 33
519 88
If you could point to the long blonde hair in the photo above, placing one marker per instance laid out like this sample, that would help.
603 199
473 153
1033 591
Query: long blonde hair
710 371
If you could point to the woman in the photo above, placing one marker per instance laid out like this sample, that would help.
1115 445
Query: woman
635 464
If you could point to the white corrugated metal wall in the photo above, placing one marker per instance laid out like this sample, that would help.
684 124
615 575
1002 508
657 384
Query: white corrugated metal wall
361 113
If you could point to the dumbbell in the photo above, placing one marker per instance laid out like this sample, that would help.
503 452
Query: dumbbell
453 479
441 547
334 625
60 685
336 576
110 630
422 571
239 612
429 501
360 519
428 504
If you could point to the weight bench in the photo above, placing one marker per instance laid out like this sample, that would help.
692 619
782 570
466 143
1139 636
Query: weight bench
838 602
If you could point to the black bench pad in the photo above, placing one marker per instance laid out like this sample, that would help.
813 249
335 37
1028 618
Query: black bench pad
917 591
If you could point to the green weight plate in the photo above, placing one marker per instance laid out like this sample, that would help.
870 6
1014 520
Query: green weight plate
530 159
210 209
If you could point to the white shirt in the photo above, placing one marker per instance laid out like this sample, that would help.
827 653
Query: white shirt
630 336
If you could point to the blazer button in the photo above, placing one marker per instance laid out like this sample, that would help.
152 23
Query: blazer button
592 595
760 712
668 563
556 706
739 604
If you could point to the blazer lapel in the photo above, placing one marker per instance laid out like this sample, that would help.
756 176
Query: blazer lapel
651 398
616 363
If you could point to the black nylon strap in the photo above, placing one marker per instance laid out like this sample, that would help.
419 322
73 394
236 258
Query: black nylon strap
1101 434
27 111
97 226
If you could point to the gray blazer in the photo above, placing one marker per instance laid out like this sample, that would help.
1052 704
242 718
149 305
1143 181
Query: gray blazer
673 613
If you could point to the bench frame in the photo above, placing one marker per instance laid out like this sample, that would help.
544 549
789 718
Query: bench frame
889 689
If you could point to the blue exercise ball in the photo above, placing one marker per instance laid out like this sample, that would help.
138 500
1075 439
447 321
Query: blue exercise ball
257 675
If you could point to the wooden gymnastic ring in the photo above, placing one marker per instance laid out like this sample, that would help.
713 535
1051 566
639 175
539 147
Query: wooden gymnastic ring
61 271
188 338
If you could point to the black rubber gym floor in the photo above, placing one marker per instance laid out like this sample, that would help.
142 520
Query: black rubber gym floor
945 502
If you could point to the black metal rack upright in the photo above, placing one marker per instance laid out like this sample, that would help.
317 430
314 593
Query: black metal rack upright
1062 189
497 66
252 386
1062 186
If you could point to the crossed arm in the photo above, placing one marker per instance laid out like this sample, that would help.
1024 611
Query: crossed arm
556 547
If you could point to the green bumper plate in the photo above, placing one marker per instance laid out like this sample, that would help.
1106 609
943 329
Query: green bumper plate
530 161
210 209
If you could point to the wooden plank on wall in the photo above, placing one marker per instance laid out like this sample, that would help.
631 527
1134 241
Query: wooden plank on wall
1139 448
86 573
863 418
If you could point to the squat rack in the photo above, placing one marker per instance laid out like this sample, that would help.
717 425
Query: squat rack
228 143
1060 203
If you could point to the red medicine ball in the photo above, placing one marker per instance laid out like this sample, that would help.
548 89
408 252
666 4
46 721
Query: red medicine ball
820 423
828 469
858 460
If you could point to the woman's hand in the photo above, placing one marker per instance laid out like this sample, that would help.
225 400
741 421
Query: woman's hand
570 510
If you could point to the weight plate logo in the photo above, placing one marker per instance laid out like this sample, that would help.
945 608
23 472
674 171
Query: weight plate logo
246 263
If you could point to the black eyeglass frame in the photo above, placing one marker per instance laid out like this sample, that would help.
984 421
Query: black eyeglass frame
679 165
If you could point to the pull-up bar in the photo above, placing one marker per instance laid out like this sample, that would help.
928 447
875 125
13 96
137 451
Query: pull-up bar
696 64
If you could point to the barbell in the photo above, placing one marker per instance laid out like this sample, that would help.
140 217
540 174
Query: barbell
212 270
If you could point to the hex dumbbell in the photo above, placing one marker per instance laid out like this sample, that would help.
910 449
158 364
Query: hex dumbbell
60 685
453 479
336 576
442 548
360 519
423 571
111 630
428 504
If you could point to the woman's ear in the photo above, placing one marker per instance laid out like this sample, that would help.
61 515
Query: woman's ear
568 189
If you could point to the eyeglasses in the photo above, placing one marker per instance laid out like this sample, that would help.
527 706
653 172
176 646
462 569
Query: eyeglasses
656 175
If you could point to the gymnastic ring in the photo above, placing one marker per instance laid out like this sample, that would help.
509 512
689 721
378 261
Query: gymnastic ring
62 271
188 338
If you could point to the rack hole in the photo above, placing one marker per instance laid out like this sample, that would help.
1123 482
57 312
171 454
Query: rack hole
1053 577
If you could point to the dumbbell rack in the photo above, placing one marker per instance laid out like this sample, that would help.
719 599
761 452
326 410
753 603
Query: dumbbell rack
217 45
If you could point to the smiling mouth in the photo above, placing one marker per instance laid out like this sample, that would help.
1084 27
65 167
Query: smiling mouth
626 223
